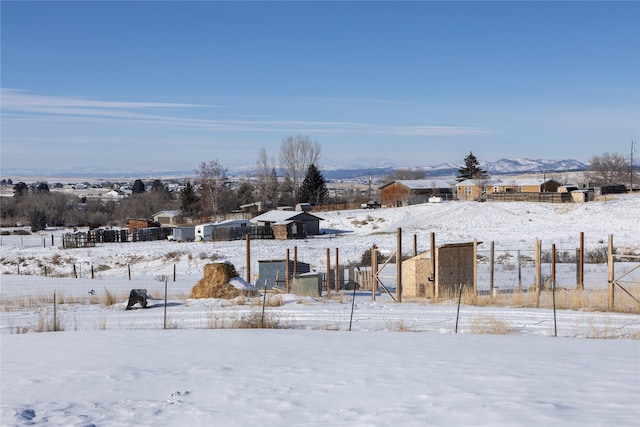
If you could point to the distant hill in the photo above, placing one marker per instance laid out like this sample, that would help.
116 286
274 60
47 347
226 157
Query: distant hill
508 166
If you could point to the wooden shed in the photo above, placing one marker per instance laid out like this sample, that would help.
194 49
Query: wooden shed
310 223
417 277
288 230
411 192
454 265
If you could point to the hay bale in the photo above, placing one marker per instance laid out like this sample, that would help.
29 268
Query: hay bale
215 283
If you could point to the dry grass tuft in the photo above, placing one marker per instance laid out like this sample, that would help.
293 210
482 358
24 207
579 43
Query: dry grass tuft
489 325
274 300
256 320
109 298
397 326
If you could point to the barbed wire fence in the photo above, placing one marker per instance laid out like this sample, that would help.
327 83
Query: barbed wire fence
571 299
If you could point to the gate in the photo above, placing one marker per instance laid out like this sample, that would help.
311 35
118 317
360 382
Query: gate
627 282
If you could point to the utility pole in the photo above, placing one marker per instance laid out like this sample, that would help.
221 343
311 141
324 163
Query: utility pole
631 169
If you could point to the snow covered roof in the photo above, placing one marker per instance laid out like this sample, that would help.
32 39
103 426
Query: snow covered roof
421 184
281 216
173 212
524 182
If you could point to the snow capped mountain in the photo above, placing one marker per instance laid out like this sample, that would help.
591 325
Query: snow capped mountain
334 172
519 165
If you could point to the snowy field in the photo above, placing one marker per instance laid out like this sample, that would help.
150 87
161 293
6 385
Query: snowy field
334 362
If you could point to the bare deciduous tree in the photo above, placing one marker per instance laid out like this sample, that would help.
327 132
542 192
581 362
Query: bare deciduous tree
608 169
296 155
265 176
212 177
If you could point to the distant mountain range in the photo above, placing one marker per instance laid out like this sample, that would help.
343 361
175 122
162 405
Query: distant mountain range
508 166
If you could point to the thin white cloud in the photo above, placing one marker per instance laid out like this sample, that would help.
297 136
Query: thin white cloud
18 100
18 106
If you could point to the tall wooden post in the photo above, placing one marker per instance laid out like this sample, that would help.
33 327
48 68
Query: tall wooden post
295 260
399 266
491 269
538 271
415 245
328 278
611 273
553 265
248 257
434 274
475 271
337 272
581 263
286 272
374 264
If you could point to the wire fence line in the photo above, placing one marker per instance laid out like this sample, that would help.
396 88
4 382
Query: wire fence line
40 294
36 304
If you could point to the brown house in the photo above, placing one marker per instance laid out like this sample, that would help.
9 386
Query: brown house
411 192
471 189
523 186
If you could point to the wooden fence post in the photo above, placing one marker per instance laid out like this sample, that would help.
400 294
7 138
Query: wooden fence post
399 266
491 269
581 263
374 263
553 264
611 274
248 257
475 272
337 272
436 292
538 271
328 278
286 272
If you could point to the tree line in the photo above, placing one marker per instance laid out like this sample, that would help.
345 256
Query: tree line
211 194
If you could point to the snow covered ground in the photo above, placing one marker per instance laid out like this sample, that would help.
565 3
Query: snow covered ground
400 364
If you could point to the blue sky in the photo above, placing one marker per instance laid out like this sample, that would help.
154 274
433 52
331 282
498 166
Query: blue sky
150 86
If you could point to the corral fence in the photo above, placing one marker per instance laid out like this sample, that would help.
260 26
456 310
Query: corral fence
30 304
550 197
540 290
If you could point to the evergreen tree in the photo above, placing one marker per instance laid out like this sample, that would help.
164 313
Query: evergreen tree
20 189
244 194
138 187
314 188
273 191
189 201
38 220
471 169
